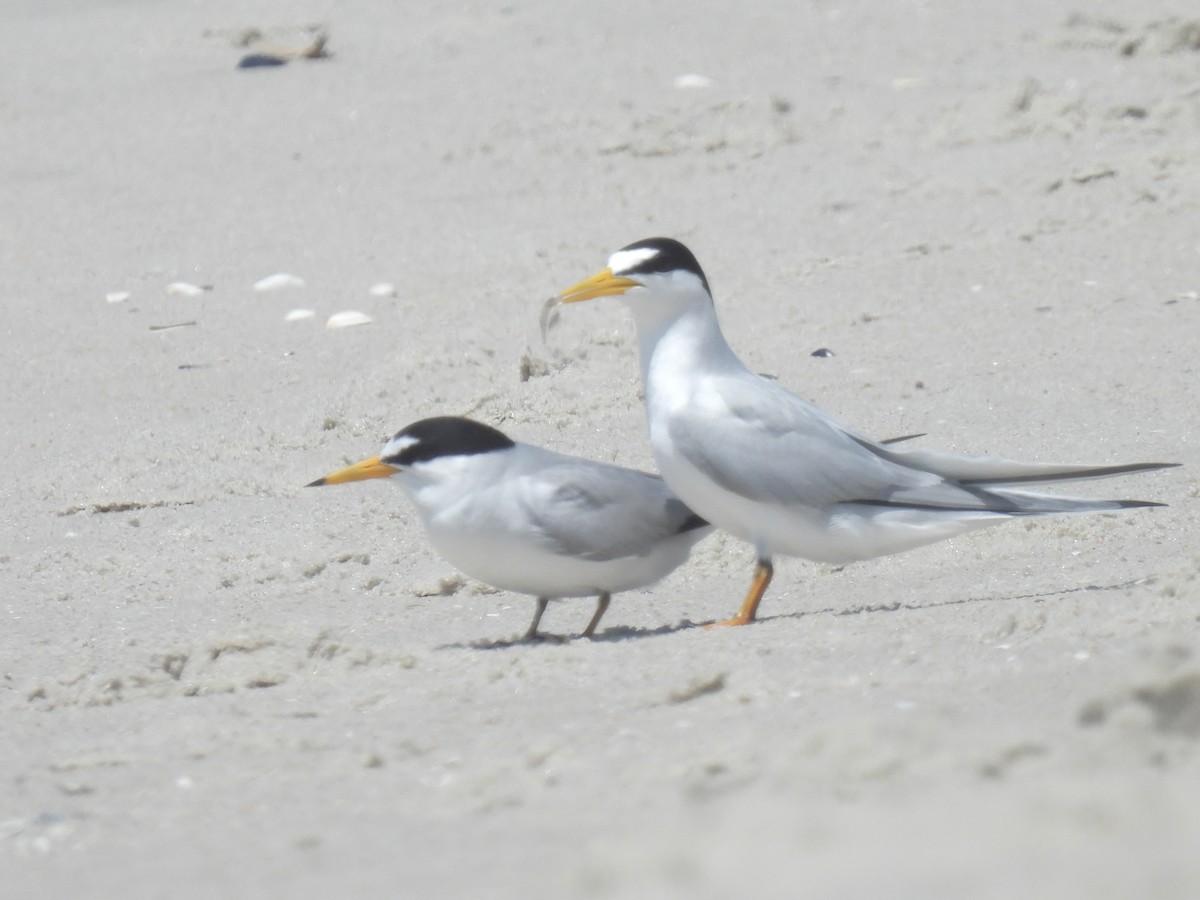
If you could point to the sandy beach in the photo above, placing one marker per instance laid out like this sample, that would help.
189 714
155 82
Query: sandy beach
217 683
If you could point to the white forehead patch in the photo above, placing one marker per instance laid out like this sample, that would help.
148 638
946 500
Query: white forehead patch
398 445
624 260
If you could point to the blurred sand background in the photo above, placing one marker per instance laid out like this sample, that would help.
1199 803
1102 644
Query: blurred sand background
218 684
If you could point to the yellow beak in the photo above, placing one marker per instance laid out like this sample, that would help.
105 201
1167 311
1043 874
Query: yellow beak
368 468
602 284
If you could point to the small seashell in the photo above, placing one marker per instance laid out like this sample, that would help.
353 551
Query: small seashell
117 296
347 318
278 281
183 289
822 352
296 315
383 289
693 80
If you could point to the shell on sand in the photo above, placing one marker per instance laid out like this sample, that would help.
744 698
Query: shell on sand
279 281
347 318
184 289
297 315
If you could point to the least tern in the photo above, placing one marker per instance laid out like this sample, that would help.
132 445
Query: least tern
529 520
775 470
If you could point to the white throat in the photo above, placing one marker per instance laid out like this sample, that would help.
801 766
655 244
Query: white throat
677 332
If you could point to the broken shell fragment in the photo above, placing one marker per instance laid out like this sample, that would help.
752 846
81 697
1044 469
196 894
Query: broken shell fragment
297 315
348 318
117 296
383 289
183 289
279 281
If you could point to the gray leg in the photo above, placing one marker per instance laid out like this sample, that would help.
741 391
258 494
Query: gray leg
601 607
532 633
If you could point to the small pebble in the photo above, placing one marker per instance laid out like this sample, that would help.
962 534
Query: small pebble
822 352
117 296
383 289
183 289
348 318
260 60
279 281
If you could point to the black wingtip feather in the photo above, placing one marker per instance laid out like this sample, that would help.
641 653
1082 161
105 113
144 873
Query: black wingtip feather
1083 473
887 442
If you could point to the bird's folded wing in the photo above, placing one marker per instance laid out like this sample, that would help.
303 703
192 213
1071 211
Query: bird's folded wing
601 513
763 443
759 441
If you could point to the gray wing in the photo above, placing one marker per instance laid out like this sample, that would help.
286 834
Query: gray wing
600 512
762 442
758 440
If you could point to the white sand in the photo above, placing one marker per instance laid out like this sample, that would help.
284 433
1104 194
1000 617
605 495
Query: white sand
234 687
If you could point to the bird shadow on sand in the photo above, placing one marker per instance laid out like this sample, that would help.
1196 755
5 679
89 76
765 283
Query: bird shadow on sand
608 635
626 633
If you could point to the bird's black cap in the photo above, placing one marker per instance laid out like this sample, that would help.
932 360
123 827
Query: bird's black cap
446 436
669 255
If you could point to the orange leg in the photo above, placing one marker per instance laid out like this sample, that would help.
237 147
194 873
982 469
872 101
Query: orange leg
762 577
601 606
